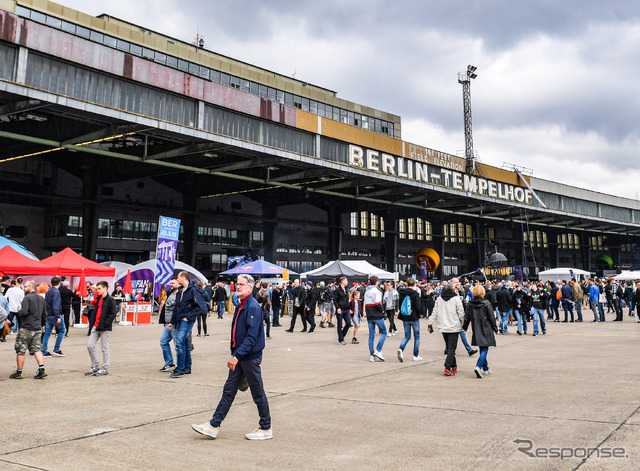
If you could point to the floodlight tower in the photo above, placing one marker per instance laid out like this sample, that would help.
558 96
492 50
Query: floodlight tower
464 78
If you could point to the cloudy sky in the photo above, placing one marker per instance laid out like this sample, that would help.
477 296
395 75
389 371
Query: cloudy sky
557 91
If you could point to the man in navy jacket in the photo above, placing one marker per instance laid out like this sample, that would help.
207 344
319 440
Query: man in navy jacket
247 343
185 312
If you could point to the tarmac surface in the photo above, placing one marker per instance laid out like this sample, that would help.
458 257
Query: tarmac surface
573 392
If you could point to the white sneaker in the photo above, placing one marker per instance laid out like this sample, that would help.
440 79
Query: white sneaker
418 358
372 358
378 355
400 355
478 372
259 434
206 429
488 372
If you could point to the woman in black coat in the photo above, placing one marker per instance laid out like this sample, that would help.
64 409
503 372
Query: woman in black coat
480 313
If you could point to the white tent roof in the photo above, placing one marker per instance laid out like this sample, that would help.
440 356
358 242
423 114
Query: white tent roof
119 266
561 272
361 266
628 275
151 265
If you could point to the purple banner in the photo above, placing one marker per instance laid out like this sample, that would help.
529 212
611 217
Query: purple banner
168 232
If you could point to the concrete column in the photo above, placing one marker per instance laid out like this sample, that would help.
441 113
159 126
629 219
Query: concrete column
437 224
191 206
391 241
90 208
334 222
614 247
585 251
480 232
200 115
269 227
20 71
552 238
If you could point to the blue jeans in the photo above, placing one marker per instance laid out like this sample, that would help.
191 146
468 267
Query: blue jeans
538 314
249 369
220 308
567 307
504 319
276 316
266 318
601 310
465 342
372 333
408 326
579 309
168 336
183 348
51 321
346 317
482 359
463 336
516 314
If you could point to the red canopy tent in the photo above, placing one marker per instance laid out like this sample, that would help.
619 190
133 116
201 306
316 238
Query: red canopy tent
69 263
14 263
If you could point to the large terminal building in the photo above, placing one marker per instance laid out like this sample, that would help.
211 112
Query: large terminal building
106 125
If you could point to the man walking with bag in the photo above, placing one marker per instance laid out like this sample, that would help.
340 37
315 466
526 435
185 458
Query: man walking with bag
247 344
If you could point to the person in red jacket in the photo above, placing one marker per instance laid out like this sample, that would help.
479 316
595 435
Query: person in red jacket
101 320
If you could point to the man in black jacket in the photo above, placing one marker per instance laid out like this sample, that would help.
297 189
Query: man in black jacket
343 311
66 296
504 307
32 319
101 320
298 294
311 301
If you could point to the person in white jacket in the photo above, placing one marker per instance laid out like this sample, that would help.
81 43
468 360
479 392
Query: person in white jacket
449 313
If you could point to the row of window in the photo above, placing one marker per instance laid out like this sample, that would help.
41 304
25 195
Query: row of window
14 232
366 224
415 229
107 228
217 236
298 266
460 233
321 109
536 239
305 249
360 252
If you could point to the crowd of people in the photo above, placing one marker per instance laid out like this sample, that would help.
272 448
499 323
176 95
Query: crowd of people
34 312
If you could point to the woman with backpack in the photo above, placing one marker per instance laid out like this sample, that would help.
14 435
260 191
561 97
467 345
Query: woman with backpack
480 313
410 312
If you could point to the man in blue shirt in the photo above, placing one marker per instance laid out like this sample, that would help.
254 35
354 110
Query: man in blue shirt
54 318
247 344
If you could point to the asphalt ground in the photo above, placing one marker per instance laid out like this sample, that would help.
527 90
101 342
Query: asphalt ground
571 398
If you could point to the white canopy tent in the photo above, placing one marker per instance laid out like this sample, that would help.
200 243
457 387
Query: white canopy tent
628 276
350 268
563 273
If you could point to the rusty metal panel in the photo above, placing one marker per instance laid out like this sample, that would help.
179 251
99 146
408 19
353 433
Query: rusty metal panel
10 26
166 78
66 79
72 48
